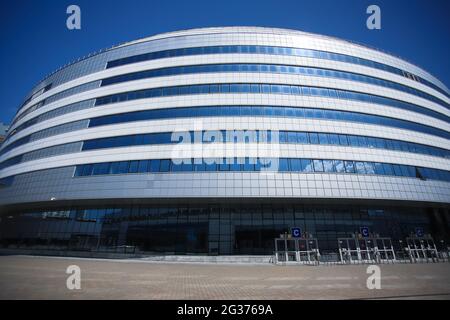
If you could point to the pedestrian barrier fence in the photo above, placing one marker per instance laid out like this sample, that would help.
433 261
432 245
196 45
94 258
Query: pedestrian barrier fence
296 251
366 250
423 249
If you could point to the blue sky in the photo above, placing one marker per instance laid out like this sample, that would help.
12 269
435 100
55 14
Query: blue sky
35 40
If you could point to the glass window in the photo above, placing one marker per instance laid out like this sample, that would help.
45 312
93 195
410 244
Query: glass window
302 137
275 88
133 167
115 168
255 88
396 145
244 88
339 165
306 91
236 164
306 165
388 169
323 138
286 89
372 142
214 88
123 167
265 88
284 164
315 91
378 168
353 141
405 171
349 166
411 171
224 166
164 165
176 167
295 90
224 88
380 143
143 164
186 166
360 167
328 166
343 140
314 138
100 168
292 137
362 142
369 167
318 165
397 170
249 165
154 165
78 171
333 139
210 165
87 170
283 136
234 88
295 164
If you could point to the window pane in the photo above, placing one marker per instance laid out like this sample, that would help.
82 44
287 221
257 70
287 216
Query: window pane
307 165
123 167
164 165
343 140
302 137
323 138
143 166
378 168
154 165
318 165
133 167
284 164
328 165
295 164
397 170
360 167
313 138
78 171
339 165
369 167
388 169
349 166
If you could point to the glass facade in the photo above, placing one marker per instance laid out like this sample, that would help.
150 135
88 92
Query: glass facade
265 111
266 89
268 68
291 137
271 50
219 228
258 165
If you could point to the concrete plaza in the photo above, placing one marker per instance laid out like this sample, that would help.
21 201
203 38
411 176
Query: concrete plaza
29 277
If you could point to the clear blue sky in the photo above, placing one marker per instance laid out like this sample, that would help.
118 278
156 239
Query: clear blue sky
35 40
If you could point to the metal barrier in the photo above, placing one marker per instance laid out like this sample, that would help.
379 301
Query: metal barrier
422 249
360 250
296 250
366 250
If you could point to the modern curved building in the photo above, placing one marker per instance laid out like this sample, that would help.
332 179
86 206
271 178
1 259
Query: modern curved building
217 140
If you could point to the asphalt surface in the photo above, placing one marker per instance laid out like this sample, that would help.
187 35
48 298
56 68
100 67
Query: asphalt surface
28 277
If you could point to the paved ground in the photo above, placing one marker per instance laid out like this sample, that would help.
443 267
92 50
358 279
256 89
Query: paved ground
26 277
